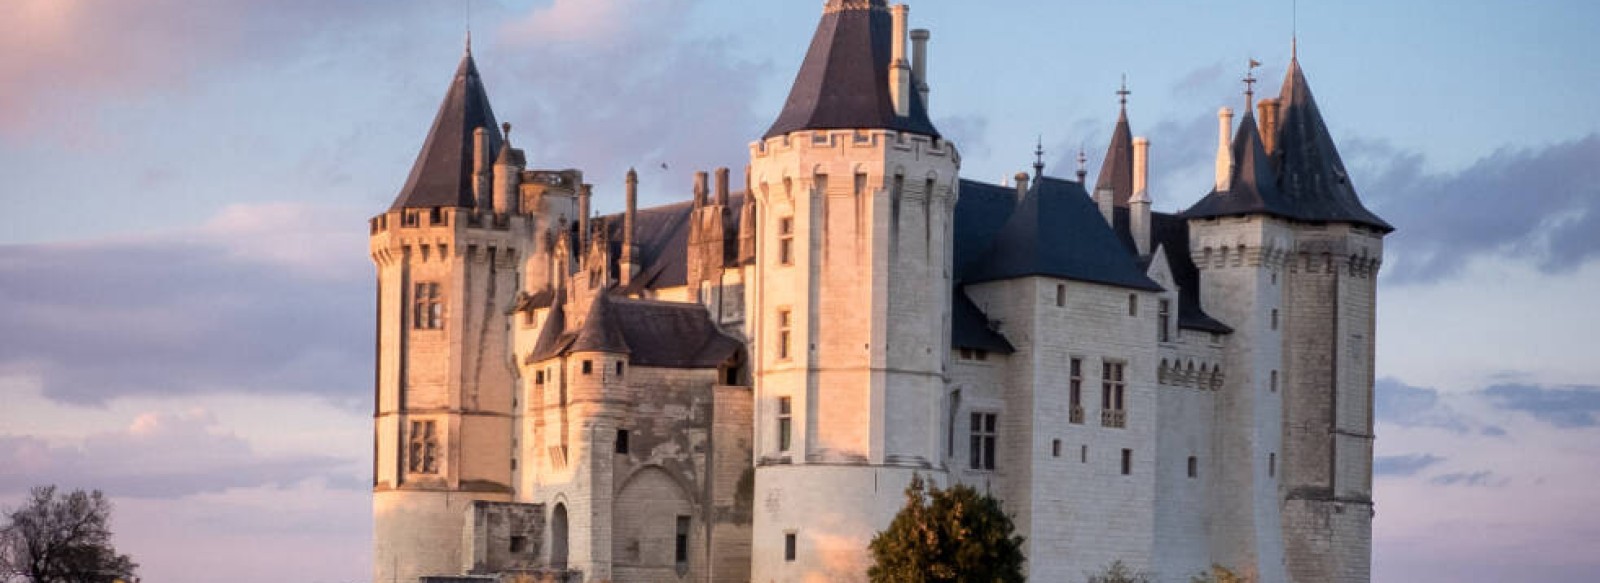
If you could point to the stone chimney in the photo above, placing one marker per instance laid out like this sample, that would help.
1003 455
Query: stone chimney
630 252
899 66
1022 185
747 222
1269 123
585 193
722 187
919 63
1225 149
1139 204
480 169
700 188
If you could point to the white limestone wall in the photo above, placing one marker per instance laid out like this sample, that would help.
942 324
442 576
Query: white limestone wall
1082 513
833 511
418 533
865 370
1240 261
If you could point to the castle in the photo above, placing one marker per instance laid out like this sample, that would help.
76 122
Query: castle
739 387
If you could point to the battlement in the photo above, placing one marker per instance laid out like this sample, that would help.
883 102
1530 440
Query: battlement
433 234
855 144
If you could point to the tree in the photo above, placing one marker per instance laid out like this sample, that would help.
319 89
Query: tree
61 539
952 535
1220 574
1117 572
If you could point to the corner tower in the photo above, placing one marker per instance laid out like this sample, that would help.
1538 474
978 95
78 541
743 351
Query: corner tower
855 190
448 271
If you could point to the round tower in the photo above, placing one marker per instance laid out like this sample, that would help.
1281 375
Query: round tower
855 191
447 273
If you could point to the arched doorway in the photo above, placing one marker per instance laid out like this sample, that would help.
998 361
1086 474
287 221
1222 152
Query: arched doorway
558 537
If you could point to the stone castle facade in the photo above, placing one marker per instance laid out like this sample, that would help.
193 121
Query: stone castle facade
740 386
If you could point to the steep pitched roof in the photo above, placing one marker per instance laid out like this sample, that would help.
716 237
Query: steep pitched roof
1056 231
1312 174
844 81
1116 173
981 212
1254 184
969 326
600 333
651 333
443 173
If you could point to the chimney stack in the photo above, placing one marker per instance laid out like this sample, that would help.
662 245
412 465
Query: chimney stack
629 261
1022 185
722 187
1139 205
899 67
700 188
1225 149
480 169
507 177
919 63
1269 123
585 193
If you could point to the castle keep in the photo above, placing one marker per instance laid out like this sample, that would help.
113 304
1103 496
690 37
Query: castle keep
738 387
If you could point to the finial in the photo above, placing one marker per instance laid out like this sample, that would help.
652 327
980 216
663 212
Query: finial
1038 159
1294 48
505 128
1123 93
1083 165
1250 86
469 27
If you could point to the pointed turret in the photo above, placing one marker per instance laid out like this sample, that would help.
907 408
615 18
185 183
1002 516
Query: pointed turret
1314 179
1116 173
1252 185
444 174
844 82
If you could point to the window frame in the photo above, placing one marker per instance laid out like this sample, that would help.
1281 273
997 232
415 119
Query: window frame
427 306
785 425
983 427
786 240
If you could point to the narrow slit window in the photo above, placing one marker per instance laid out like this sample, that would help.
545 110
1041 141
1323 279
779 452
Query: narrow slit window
1194 467
785 423
788 547
622 441
1075 392
786 241
1127 462
681 547
1164 320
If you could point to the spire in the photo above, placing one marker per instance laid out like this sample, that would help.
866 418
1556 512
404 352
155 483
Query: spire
1312 173
1038 159
1252 185
844 81
443 173
1116 173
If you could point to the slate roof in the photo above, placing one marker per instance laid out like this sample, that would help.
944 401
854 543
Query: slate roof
1253 188
1056 231
969 326
1312 174
1171 234
1116 172
443 173
844 81
651 333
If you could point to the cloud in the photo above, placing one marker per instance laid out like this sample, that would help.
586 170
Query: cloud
268 299
62 56
1479 479
1403 465
1563 407
159 455
1406 406
1538 205
643 94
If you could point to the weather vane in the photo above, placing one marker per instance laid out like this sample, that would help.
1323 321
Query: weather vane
1250 83
1038 159
1123 93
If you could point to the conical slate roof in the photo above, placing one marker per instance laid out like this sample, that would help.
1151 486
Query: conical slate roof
844 81
1116 173
1312 175
442 175
1254 185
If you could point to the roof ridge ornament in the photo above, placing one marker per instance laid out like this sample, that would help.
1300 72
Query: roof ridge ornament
1250 86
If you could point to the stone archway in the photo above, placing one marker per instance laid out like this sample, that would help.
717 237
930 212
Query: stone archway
558 537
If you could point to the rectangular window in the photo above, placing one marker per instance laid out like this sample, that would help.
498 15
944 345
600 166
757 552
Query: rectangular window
424 458
1194 467
784 334
1274 319
519 545
983 438
1164 320
1272 382
786 241
788 547
538 377
1055 448
427 307
622 441
619 369
974 354
1075 392
785 427
681 548
1272 465
1113 386
1083 454
1133 304
588 366
1127 462
1061 295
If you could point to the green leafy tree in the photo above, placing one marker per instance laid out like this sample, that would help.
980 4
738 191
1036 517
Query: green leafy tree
62 539
1117 572
950 535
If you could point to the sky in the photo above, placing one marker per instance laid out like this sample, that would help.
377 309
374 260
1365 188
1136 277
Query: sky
186 298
